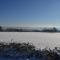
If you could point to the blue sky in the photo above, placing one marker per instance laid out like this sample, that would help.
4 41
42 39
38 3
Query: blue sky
30 12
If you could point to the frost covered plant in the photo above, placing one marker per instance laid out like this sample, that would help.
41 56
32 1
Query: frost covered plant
25 51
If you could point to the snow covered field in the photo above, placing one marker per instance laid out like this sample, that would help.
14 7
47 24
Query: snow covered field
39 39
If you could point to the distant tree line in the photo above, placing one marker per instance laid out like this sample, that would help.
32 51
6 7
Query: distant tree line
1 28
28 30
50 30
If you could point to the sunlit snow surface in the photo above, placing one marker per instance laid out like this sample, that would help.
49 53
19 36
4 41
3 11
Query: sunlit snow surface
38 39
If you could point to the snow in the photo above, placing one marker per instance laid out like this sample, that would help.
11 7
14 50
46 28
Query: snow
38 39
